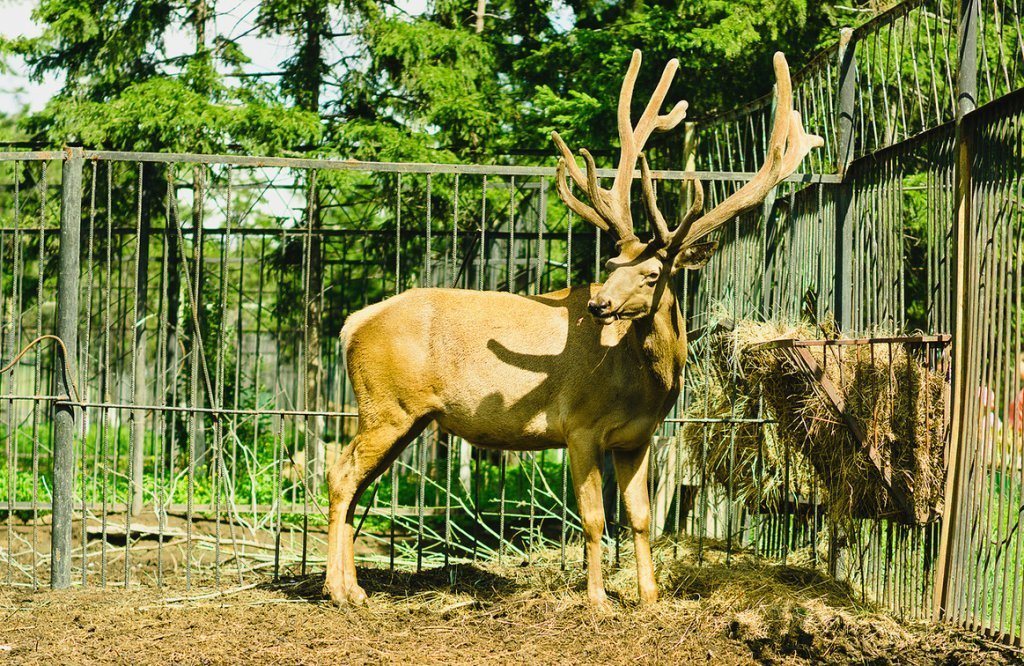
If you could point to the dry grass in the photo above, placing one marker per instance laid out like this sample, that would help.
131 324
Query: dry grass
747 613
755 456
896 400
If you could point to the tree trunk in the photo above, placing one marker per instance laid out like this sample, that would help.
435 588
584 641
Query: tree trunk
174 258
481 10
309 100
139 397
314 369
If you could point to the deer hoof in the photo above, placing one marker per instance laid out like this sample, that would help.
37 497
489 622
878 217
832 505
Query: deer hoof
599 602
357 596
648 596
334 593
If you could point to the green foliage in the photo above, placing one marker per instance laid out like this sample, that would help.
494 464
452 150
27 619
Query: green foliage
439 83
724 50
428 86
120 91
164 113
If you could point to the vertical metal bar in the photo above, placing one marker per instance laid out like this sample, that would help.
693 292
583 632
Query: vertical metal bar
67 330
163 369
83 365
37 375
239 360
398 288
511 269
541 221
450 453
477 455
398 234
421 467
428 255
12 325
565 452
257 368
845 192
502 471
482 262
194 417
136 434
967 89
453 276
279 453
173 343
420 497
138 378
219 474
311 347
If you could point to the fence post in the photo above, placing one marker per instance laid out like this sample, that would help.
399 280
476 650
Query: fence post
843 307
966 101
844 191
67 330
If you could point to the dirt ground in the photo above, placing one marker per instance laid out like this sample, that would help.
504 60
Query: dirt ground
746 613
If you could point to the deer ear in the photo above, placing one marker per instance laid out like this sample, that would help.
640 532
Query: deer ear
694 256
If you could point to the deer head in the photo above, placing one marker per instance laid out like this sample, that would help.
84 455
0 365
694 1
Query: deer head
640 271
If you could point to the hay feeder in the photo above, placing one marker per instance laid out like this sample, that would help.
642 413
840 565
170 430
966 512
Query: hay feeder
863 420
896 448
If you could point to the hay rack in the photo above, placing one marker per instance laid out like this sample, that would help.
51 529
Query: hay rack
798 354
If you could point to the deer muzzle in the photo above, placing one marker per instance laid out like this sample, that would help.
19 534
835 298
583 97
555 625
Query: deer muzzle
600 309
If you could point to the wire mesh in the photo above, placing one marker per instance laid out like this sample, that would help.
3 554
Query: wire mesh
203 443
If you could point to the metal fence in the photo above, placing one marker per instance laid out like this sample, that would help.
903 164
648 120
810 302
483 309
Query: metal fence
926 231
987 458
205 393
209 288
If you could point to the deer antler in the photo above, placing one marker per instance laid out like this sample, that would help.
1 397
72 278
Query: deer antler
610 209
662 235
787 147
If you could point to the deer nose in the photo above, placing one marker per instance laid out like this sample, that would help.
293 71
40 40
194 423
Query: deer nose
599 307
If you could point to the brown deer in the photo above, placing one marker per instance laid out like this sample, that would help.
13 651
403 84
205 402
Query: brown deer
590 368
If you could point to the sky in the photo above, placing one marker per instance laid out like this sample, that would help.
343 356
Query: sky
16 91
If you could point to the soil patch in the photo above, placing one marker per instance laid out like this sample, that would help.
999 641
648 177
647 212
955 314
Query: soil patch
741 614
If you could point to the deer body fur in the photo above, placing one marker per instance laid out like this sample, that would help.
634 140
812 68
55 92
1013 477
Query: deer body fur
487 364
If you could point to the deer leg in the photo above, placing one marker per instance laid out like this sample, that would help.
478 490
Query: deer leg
631 474
337 481
372 450
585 463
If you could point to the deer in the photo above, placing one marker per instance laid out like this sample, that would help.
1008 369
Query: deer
590 368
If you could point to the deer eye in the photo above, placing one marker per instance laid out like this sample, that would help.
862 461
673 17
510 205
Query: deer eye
651 277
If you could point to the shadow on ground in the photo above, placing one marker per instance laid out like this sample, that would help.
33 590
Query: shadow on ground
461 579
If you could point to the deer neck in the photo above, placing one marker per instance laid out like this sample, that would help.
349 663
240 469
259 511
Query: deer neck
662 339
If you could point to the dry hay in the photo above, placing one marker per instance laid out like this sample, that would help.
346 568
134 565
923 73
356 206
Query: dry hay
759 465
746 613
896 400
